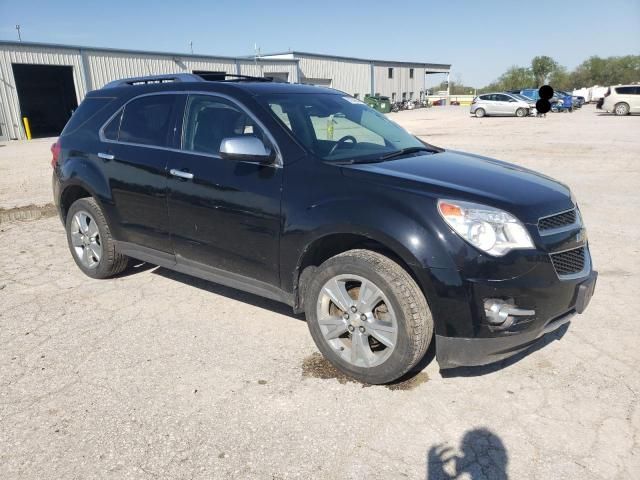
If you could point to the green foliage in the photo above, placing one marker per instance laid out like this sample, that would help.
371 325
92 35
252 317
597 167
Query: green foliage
593 71
541 67
515 77
607 71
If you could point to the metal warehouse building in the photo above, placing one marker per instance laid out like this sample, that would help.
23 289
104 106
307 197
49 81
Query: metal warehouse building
360 76
46 82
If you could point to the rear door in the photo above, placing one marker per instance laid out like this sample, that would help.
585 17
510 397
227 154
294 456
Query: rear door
490 104
135 155
225 215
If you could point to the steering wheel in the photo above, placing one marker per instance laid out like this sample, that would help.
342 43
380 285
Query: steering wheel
341 142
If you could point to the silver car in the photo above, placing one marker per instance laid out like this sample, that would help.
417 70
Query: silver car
501 104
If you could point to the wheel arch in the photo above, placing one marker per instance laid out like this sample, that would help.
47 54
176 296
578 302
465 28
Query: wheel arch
331 244
80 178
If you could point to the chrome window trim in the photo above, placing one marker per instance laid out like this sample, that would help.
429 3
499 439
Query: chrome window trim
278 160
564 228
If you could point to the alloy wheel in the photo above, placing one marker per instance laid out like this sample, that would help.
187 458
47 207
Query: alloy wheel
85 238
357 320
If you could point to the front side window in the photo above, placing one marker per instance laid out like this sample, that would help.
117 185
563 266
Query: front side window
146 120
336 127
210 119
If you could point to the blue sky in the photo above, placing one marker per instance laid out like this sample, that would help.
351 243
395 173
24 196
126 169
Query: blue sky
480 39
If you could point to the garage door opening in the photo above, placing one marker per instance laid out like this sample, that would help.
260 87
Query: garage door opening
47 97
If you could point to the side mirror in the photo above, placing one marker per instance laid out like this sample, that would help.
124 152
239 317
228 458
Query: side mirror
245 148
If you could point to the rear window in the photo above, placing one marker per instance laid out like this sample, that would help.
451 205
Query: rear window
87 109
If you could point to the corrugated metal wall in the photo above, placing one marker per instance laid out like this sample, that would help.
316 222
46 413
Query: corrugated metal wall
93 68
401 81
104 67
42 56
349 76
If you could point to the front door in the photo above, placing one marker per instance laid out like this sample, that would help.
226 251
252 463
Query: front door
224 214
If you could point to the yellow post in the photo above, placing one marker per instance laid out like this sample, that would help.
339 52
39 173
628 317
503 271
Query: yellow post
27 128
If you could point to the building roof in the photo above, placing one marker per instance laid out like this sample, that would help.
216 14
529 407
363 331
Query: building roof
294 53
140 52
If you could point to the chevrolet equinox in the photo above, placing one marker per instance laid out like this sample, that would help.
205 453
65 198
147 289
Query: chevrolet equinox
305 195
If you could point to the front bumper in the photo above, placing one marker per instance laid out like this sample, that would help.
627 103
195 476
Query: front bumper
459 351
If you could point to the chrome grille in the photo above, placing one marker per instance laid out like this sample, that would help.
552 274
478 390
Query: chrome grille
569 262
557 221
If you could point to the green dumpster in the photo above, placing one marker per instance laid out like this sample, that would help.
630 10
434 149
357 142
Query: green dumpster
378 102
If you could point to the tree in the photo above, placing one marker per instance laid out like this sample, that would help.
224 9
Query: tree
560 79
514 78
541 67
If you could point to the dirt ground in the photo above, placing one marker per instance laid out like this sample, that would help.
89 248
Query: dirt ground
158 375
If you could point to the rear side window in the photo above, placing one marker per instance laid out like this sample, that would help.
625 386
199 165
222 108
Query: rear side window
628 90
87 109
146 120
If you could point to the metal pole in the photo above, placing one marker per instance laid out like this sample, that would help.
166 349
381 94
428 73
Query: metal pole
19 36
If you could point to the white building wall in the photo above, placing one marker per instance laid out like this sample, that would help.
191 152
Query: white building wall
93 68
348 76
105 66
401 81
262 68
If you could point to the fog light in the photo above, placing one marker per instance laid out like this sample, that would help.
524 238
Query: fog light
500 313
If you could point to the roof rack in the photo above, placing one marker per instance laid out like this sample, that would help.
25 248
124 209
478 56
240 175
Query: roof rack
177 77
189 77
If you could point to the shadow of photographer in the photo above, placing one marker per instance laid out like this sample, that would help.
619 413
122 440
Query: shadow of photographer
482 456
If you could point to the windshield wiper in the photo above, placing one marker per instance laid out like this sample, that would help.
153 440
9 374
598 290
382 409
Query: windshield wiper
406 151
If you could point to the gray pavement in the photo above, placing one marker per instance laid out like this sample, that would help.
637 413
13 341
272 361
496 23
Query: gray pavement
158 375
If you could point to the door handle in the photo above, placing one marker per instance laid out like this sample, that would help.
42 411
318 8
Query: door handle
181 174
105 156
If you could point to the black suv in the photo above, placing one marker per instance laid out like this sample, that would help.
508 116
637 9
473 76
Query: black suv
305 195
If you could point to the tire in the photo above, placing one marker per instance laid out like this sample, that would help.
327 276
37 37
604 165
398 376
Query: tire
521 112
479 113
621 109
382 339
90 241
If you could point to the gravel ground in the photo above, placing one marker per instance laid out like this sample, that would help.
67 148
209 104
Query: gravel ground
158 375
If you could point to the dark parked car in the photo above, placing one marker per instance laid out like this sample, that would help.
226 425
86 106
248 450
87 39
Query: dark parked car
307 196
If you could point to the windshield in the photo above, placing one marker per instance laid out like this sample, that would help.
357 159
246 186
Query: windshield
339 128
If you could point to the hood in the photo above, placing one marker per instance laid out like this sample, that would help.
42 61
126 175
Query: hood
456 175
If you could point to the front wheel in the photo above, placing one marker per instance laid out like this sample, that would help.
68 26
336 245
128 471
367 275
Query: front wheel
621 109
521 112
368 316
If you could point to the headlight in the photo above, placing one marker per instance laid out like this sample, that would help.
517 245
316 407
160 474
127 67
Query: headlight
491 230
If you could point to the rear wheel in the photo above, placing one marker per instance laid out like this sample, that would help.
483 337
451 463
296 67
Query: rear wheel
480 112
621 109
521 112
90 241
367 316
